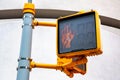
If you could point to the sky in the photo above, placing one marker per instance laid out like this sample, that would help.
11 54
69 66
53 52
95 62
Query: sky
103 67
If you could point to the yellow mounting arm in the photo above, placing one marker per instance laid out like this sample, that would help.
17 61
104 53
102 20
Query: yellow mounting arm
48 66
64 64
50 24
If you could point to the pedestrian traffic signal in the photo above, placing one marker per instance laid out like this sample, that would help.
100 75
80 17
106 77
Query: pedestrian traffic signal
78 34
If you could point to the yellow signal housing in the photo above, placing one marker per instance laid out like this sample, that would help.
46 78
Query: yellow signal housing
79 34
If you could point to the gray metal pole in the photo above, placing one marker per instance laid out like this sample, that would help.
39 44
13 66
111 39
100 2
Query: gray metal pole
25 50
29 1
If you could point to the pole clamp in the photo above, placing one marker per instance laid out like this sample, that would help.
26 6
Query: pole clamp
25 16
29 24
24 67
22 58
29 8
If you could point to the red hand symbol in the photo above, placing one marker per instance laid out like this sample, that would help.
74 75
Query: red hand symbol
67 36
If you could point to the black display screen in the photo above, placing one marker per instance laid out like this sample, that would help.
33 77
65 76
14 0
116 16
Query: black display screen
77 33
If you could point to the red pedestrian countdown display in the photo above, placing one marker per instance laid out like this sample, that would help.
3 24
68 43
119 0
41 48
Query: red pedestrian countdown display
78 34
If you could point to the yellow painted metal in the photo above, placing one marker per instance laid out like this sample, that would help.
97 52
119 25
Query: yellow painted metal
67 65
91 52
70 67
80 60
29 8
68 72
79 70
41 23
64 61
43 65
98 30
82 11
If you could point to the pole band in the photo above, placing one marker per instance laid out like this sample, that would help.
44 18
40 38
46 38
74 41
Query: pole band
29 59
24 67
28 25
28 16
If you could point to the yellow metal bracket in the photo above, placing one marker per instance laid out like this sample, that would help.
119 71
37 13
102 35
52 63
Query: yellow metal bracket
43 65
64 64
79 60
29 8
41 23
71 67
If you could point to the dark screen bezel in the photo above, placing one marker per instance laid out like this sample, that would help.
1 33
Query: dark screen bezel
72 17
